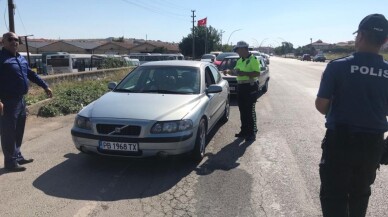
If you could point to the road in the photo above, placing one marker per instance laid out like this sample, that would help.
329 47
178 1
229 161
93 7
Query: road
277 175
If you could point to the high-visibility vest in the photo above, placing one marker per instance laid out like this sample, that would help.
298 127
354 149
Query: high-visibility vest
250 64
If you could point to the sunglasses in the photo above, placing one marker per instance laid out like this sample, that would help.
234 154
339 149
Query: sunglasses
13 39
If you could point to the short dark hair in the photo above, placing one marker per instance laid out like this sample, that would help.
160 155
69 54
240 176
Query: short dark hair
374 39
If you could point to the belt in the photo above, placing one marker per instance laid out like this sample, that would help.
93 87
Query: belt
247 82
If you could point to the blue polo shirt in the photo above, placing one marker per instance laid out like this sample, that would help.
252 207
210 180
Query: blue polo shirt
357 86
15 75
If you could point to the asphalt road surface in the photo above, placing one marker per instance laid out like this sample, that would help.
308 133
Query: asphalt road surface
277 175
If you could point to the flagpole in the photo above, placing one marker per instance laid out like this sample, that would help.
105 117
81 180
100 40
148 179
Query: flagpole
206 39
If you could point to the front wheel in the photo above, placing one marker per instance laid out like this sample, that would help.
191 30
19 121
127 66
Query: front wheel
200 142
225 117
265 87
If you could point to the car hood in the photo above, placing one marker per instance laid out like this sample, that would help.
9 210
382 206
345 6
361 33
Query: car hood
144 106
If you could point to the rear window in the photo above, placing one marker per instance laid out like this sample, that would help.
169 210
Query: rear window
222 56
208 56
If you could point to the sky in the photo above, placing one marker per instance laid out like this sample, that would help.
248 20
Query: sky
258 22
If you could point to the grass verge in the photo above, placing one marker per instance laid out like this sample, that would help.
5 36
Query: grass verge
331 56
71 96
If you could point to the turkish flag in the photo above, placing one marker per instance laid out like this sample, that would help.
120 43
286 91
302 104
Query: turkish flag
202 22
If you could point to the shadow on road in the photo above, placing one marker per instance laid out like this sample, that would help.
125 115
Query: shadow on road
89 177
84 177
226 159
2 171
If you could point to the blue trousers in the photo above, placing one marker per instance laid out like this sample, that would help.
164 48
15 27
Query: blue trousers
12 129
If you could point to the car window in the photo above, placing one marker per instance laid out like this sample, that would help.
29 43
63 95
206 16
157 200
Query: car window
209 79
228 63
216 74
262 63
222 56
208 56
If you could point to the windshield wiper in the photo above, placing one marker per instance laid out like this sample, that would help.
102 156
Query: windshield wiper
165 91
125 91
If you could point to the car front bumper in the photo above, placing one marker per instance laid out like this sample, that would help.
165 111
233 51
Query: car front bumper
147 146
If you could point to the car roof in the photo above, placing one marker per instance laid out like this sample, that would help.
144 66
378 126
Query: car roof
232 57
188 63
238 57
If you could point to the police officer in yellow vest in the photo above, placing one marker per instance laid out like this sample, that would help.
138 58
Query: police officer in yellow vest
247 70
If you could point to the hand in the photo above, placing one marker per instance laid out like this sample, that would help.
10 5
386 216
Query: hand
49 92
1 109
226 72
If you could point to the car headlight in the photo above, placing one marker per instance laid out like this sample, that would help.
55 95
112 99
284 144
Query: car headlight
172 126
83 123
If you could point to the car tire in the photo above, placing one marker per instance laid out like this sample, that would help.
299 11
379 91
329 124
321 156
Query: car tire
264 89
225 117
200 142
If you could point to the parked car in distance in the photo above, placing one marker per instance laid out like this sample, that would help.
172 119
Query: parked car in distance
221 56
306 57
160 108
266 58
257 53
319 58
208 57
230 62
216 52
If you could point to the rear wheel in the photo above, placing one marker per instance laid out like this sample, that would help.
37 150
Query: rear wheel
200 142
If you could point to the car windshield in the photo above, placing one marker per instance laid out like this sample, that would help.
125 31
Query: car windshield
161 79
228 63
221 56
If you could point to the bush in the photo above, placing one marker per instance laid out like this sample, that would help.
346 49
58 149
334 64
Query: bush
71 96
111 62
71 99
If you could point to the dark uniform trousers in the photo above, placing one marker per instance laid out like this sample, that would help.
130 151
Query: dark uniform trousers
247 97
12 129
347 170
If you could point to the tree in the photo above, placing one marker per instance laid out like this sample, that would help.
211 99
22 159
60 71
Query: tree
308 49
213 41
287 47
159 50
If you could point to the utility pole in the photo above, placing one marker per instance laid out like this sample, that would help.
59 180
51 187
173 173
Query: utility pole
11 10
193 33
28 52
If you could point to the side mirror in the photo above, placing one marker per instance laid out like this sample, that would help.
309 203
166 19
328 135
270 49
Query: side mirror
112 85
214 89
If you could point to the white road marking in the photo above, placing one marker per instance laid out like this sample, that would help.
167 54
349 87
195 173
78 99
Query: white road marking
87 209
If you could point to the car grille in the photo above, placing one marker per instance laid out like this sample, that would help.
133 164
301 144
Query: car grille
115 129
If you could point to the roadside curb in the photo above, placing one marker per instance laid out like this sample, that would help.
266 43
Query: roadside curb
34 108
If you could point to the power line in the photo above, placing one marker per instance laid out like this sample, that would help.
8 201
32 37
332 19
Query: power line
5 20
153 9
24 27
174 5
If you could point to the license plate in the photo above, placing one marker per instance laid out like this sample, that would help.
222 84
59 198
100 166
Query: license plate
119 146
232 88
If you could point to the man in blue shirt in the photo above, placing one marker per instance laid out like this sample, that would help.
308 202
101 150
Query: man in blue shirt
15 75
353 95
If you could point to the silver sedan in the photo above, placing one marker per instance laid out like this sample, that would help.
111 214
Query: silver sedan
160 108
